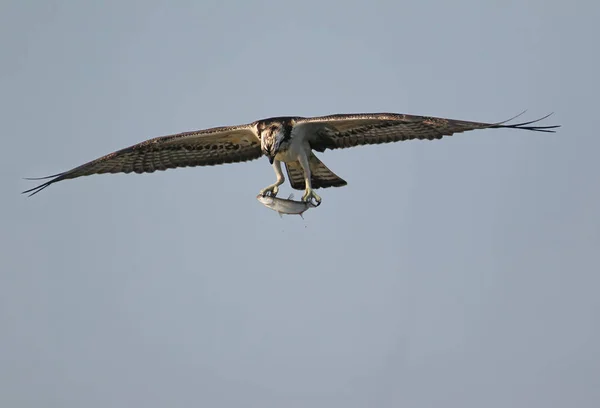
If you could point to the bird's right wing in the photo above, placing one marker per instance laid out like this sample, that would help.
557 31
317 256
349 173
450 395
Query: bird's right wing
206 147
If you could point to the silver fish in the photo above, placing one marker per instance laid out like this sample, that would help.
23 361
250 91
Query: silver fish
285 206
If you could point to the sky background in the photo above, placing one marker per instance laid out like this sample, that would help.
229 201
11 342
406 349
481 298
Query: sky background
462 272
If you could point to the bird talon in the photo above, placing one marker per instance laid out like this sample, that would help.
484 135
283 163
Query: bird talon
309 195
270 191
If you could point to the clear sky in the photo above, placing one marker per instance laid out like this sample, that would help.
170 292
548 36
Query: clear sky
462 272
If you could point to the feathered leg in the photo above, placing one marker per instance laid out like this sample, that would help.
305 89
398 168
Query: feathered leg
273 189
309 193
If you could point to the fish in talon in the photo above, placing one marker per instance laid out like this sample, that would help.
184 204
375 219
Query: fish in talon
285 206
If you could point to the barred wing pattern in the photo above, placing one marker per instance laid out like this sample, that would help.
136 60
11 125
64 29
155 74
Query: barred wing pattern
321 176
342 131
207 147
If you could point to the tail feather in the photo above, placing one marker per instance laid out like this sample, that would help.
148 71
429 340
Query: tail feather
321 176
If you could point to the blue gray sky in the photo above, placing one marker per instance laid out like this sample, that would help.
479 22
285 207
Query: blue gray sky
459 273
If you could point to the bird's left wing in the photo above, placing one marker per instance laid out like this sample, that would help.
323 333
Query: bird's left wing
348 130
206 147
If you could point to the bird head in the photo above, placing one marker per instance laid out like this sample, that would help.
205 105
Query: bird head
271 135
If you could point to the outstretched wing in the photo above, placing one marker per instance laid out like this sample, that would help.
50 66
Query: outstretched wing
206 147
341 131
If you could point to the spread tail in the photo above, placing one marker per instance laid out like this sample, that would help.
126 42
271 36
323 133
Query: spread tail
321 176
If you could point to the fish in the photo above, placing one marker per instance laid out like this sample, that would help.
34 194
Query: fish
285 206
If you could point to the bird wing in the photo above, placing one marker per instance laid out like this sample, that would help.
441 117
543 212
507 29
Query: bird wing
348 130
206 147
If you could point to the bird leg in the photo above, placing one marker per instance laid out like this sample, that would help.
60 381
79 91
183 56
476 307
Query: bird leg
273 189
309 193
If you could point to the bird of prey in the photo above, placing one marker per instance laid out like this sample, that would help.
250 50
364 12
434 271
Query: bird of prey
288 139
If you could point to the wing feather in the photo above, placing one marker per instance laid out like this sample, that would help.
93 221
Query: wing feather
206 147
343 131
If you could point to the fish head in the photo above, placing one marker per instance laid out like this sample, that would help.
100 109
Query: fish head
264 199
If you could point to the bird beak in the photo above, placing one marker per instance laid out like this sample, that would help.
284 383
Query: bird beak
271 158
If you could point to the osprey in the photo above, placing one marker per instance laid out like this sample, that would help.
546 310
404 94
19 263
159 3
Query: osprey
288 139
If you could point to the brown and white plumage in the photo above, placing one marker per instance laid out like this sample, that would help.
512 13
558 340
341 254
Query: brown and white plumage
342 131
199 148
283 139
